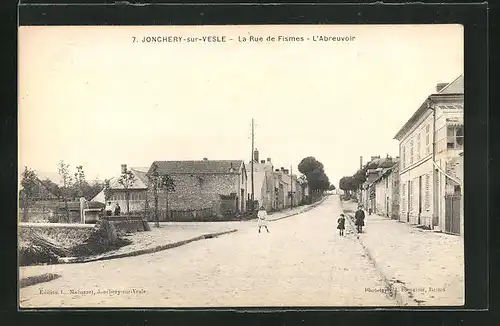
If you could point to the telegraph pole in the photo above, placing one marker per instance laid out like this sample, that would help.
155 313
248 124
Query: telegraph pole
251 163
291 186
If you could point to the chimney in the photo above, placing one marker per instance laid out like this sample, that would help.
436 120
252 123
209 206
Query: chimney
124 168
205 159
269 159
263 162
256 155
440 86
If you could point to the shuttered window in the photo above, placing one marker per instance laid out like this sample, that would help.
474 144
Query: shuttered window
403 197
427 139
411 152
418 147
427 203
410 195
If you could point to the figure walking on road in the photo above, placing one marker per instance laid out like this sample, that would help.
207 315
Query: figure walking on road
341 224
262 215
359 219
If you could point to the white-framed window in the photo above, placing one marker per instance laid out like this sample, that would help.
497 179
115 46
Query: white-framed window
418 147
455 137
427 139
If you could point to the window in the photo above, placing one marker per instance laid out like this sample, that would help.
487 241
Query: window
427 202
403 197
427 139
418 147
403 156
411 151
455 137
410 196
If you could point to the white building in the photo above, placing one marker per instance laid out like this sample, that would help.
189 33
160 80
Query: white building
428 142
263 181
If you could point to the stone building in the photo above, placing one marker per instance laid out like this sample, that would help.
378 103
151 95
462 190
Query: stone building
427 142
137 191
211 187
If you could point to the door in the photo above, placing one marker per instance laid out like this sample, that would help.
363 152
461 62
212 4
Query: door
419 198
452 212
409 202
242 201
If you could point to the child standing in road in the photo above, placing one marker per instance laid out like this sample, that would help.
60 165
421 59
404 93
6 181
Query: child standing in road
341 224
262 216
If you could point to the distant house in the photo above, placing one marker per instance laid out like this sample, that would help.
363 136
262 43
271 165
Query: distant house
216 185
263 181
430 143
137 195
386 200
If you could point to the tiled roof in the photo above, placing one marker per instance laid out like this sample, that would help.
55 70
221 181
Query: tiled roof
455 87
140 182
199 167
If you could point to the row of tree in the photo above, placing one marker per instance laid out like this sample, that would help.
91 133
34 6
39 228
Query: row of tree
354 182
315 175
71 186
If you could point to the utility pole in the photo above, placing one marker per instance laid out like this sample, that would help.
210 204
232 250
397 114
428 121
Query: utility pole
252 158
291 186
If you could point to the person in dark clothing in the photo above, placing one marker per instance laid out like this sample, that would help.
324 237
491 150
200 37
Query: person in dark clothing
341 224
117 210
359 218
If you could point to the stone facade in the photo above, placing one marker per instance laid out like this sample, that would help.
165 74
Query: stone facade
204 189
198 192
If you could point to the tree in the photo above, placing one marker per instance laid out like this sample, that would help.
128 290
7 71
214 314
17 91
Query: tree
52 187
309 164
28 191
153 181
90 191
166 183
66 181
107 190
127 180
80 183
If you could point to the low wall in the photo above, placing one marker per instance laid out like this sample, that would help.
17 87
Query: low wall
68 235
131 226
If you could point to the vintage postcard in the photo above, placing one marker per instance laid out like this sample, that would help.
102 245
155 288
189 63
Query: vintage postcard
241 166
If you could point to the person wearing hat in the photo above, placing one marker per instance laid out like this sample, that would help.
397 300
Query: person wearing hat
359 218
109 209
341 224
262 216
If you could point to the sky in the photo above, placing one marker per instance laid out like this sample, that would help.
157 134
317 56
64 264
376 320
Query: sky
91 96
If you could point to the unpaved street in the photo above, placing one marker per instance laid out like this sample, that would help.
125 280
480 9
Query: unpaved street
302 262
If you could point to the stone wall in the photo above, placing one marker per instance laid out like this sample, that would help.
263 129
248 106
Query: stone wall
197 192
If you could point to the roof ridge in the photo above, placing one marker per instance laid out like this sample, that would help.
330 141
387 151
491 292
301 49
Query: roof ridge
454 80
